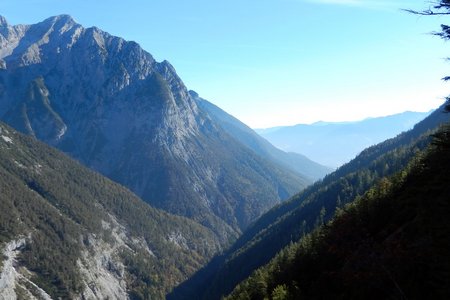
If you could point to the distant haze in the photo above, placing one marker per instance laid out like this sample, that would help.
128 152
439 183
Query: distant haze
333 144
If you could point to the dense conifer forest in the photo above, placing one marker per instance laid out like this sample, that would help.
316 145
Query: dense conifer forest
391 243
306 211
63 209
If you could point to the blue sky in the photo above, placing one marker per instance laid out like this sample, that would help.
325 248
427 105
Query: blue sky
279 62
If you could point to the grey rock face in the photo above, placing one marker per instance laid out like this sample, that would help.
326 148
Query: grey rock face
109 104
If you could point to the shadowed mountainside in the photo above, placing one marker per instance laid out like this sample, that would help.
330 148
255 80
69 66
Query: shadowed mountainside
301 214
107 103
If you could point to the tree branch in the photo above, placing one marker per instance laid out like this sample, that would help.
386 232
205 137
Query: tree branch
428 12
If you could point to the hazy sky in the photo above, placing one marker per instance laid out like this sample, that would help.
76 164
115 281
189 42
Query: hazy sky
279 62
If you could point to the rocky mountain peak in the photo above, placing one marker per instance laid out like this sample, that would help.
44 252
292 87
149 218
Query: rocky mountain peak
60 23
193 94
3 22
22 45
106 102
65 18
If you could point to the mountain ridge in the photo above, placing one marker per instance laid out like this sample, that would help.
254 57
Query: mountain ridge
371 247
296 162
108 103
335 143
290 220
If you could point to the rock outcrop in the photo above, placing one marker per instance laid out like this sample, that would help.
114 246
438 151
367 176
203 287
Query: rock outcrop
107 102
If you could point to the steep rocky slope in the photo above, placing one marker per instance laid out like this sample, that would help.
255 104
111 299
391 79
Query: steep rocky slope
110 105
68 232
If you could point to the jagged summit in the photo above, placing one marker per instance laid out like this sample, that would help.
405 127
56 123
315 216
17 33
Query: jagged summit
3 21
107 102
60 21
64 18
194 94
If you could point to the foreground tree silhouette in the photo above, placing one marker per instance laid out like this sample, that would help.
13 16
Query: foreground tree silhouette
438 8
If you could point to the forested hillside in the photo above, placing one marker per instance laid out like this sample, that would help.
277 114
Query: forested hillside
118 182
289 221
67 232
391 243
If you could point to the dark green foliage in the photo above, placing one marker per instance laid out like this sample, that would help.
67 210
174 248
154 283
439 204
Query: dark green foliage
291 220
392 243
58 204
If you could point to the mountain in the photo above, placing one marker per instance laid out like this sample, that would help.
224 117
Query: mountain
107 103
67 232
244 134
333 144
289 221
392 243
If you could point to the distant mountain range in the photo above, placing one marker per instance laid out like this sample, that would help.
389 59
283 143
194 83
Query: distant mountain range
107 103
335 143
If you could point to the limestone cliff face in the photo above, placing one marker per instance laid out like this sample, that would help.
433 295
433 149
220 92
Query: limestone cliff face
106 102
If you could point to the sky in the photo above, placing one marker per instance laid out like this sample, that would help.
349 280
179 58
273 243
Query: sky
279 62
